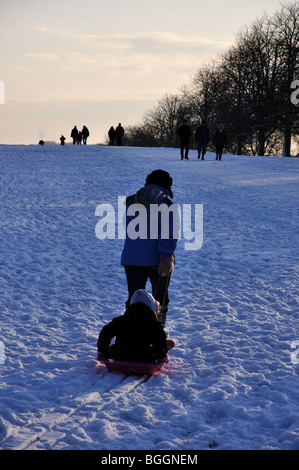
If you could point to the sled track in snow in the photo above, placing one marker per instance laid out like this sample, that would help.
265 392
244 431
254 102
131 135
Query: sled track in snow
37 430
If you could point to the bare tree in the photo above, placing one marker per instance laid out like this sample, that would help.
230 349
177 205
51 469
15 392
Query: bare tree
164 119
247 89
285 23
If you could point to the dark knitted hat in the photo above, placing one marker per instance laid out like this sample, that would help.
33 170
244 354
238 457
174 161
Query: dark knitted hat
160 178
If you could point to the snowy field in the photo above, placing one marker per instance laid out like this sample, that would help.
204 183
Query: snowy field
232 379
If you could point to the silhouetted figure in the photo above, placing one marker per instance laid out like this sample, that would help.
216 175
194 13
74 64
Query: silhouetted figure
111 135
184 132
62 140
202 137
119 134
220 141
79 140
74 135
41 142
85 134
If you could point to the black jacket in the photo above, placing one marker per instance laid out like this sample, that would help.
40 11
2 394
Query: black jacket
202 134
85 131
74 132
184 132
139 336
220 138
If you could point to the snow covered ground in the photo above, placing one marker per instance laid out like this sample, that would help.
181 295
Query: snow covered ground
232 379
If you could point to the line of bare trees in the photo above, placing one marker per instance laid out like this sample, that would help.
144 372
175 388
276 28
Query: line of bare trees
247 88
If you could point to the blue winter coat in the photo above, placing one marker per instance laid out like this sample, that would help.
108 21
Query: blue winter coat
147 249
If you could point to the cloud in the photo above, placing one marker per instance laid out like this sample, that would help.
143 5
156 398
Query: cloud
158 41
42 56
132 55
111 67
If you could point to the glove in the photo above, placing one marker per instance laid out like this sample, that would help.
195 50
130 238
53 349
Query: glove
165 266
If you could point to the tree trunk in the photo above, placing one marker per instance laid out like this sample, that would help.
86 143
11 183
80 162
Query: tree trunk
287 142
239 145
261 143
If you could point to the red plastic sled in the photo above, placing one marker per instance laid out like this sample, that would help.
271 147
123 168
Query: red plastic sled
135 368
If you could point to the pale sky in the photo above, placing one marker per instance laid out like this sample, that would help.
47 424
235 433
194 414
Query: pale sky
98 63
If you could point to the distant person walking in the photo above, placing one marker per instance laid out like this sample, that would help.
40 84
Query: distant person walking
202 137
220 140
74 135
111 135
85 135
62 140
119 132
184 132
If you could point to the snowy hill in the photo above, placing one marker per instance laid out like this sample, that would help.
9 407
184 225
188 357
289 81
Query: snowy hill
232 380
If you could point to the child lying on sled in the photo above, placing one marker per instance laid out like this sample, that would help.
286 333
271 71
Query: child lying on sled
139 335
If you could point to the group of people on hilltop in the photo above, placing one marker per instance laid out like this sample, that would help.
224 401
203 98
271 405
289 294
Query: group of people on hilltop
77 136
116 135
202 137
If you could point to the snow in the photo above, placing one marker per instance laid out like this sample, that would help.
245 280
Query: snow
232 379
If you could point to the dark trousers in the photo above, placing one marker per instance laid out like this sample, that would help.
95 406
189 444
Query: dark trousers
219 150
202 148
137 277
184 146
